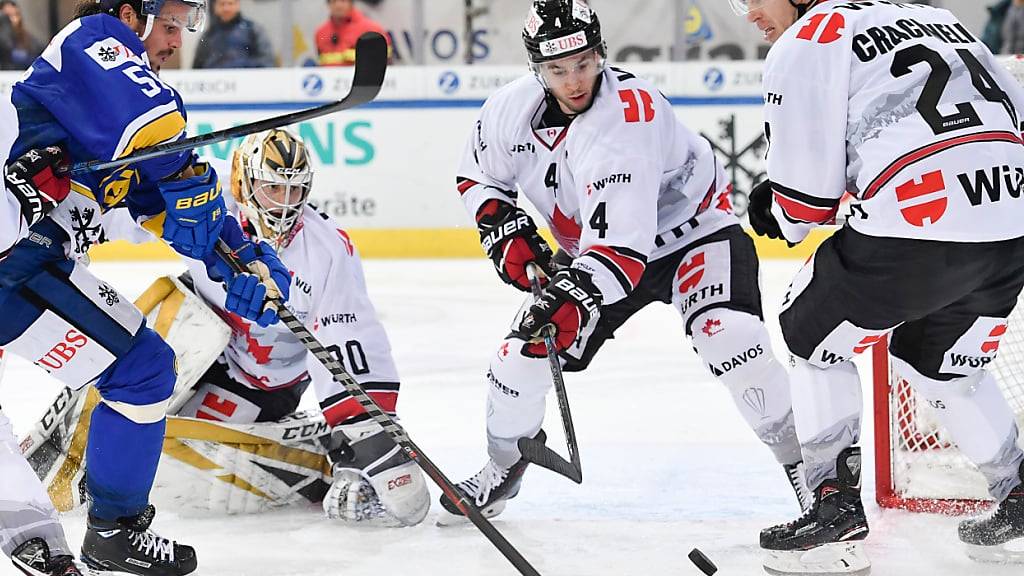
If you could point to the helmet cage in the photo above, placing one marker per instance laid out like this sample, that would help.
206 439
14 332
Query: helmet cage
274 185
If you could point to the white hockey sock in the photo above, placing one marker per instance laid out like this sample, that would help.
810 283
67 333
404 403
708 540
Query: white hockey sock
827 406
738 351
978 419
517 386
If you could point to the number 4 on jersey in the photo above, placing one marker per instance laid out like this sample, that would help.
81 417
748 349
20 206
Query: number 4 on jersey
632 99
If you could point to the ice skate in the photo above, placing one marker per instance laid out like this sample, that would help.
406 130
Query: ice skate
128 546
488 489
998 537
826 539
33 558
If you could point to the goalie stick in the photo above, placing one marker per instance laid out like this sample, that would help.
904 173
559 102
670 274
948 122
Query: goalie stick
393 429
371 64
534 450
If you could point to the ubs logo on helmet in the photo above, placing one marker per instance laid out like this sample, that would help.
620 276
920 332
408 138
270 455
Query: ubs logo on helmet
564 44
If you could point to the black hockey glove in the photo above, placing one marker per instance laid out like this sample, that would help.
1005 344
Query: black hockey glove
569 303
511 241
760 213
39 180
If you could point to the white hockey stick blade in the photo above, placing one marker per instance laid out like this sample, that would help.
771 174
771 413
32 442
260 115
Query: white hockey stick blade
847 558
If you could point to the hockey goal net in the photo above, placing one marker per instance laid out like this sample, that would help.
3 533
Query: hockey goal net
917 466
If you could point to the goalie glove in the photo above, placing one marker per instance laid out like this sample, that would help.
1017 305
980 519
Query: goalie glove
569 303
39 180
511 241
375 482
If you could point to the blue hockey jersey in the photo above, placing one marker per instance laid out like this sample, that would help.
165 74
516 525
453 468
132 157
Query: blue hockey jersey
93 91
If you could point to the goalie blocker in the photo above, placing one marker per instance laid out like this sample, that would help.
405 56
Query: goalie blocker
267 456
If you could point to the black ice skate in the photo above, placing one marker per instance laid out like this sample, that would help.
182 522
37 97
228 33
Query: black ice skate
33 558
986 538
127 546
488 489
825 540
798 481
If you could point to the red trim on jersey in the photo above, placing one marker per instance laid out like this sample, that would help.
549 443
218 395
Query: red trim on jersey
350 407
465 185
565 132
797 211
932 149
261 382
708 197
632 268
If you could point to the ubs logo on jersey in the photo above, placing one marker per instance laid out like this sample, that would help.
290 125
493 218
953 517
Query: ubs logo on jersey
990 184
63 351
923 203
827 34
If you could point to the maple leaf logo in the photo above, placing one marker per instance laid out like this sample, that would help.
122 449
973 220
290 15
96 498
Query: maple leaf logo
712 327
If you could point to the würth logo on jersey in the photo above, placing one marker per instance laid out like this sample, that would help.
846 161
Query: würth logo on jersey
867 342
63 352
923 202
613 179
991 344
830 32
691 273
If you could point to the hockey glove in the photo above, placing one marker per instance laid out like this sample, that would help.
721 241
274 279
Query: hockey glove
195 212
39 180
760 213
511 241
569 303
249 293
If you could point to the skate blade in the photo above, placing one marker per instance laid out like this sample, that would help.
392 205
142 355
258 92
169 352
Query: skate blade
91 568
846 558
1009 553
446 518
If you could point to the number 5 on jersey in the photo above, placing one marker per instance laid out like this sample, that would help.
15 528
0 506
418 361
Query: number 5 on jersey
633 99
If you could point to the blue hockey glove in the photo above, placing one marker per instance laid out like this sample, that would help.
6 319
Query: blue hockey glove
195 212
249 293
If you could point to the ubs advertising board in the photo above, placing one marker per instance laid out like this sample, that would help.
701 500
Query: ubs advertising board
386 171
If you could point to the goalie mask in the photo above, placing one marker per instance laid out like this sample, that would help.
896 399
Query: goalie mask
271 179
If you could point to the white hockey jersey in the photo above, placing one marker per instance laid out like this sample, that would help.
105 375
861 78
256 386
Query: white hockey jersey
625 183
328 295
902 107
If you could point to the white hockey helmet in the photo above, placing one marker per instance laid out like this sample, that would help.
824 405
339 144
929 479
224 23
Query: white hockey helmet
271 177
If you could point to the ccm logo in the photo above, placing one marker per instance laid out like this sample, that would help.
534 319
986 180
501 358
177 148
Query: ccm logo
400 481
63 352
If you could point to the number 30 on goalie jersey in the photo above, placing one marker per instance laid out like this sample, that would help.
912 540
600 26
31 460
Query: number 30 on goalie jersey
901 106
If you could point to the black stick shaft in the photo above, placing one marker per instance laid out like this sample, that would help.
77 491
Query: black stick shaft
393 429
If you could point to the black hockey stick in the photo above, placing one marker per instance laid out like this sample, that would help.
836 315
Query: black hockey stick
371 64
394 430
534 450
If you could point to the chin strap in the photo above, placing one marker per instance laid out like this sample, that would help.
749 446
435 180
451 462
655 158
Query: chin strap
149 27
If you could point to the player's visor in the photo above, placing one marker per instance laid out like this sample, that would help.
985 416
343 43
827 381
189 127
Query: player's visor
188 15
581 67
743 7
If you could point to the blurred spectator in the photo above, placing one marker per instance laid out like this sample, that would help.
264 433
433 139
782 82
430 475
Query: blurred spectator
231 41
1012 26
992 35
18 48
336 38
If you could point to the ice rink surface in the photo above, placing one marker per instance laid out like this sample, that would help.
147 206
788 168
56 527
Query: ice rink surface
668 463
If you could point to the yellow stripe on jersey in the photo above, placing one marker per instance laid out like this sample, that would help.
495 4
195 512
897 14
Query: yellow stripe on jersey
79 188
163 129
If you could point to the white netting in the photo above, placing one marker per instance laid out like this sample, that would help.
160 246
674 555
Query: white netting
925 464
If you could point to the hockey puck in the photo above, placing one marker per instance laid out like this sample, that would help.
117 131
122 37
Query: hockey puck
701 561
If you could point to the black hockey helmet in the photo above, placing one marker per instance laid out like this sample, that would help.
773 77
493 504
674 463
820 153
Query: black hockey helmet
556 29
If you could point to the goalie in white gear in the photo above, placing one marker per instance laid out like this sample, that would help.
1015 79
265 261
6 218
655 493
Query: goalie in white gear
264 371
641 209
